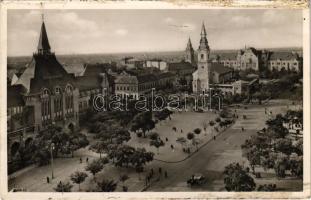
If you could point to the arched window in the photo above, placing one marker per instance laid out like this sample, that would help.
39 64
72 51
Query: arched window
69 89
57 90
69 99
45 93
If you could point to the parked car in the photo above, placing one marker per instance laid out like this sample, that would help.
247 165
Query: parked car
196 179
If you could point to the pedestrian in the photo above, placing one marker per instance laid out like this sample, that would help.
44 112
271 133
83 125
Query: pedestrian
181 130
47 179
80 160
172 147
87 159
214 137
166 139
165 174
160 170
151 171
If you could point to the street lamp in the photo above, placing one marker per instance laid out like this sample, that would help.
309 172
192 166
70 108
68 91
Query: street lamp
219 98
210 97
51 149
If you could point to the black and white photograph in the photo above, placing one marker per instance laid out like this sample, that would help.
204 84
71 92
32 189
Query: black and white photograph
155 100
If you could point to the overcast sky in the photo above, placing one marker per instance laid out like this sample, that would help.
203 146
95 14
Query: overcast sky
112 31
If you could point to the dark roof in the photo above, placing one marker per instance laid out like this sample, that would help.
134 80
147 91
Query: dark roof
179 66
283 56
146 78
88 82
164 75
43 40
126 79
14 95
219 68
228 56
95 69
44 71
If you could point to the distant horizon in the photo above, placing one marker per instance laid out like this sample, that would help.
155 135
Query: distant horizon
142 52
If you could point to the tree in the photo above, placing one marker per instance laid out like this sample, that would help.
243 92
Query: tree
94 167
284 145
123 178
281 164
190 136
157 143
106 185
143 121
204 125
99 147
163 114
139 158
78 177
63 187
217 119
154 136
181 140
237 179
197 131
212 123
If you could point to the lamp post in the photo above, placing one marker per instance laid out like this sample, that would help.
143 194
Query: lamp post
210 97
219 103
51 149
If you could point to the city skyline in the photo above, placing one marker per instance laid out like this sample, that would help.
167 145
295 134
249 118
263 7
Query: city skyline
110 32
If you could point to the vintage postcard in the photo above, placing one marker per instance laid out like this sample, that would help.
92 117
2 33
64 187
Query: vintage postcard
154 100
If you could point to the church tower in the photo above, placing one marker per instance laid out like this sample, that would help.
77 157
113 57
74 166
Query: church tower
189 57
201 75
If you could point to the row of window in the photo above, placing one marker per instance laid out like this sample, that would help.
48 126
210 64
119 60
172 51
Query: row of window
89 92
46 92
284 63
83 105
15 110
134 88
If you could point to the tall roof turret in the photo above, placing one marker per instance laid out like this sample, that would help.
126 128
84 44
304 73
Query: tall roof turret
43 45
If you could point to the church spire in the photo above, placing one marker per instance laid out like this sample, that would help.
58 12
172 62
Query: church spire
203 31
189 54
189 44
43 45
203 40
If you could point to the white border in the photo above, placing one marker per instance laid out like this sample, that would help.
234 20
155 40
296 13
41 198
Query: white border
145 195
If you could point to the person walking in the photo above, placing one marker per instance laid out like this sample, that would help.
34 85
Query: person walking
166 139
80 160
87 159
47 179
160 170
165 174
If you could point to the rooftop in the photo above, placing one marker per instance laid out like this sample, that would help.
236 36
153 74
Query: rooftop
220 68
